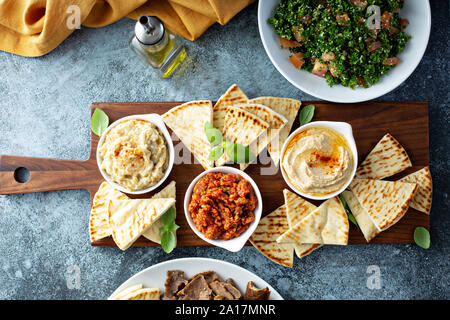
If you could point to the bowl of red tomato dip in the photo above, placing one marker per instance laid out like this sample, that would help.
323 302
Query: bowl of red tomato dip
223 207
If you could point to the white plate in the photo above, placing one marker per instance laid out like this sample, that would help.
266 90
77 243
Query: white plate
154 276
416 11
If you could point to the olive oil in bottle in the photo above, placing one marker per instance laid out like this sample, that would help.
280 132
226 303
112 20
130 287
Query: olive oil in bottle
157 46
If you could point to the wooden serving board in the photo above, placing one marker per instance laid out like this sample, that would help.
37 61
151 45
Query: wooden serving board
406 121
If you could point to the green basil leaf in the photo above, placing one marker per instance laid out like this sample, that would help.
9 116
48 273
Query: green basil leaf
350 216
99 121
216 153
168 241
240 154
173 227
169 216
422 237
306 114
214 136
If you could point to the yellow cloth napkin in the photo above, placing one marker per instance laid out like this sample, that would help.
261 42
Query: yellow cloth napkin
35 27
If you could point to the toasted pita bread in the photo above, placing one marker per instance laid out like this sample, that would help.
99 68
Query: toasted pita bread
143 294
129 219
296 209
287 108
386 159
232 97
385 201
365 224
275 121
125 292
264 238
424 194
241 127
99 219
188 122
328 224
154 233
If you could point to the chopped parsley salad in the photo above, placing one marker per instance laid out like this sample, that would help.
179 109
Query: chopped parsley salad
331 39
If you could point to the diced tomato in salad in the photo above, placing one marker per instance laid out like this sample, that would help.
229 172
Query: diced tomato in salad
297 60
343 19
386 20
289 43
360 3
328 56
391 61
319 68
374 46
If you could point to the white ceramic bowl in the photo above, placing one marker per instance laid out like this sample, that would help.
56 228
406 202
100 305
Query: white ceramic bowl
343 128
416 11
236 244
157 120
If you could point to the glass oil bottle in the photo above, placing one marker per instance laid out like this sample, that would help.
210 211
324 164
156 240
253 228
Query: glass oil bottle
157 45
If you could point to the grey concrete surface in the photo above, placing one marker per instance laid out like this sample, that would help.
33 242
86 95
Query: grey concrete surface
44 112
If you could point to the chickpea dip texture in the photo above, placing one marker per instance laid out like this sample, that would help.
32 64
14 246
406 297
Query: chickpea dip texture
222 205
318 161
134 154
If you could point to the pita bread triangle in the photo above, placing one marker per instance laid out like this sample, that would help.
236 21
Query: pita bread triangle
286 107
129 219
241 127
365 224
328 224
99 218
422 199
385 201
232 97
125 292
296 209
143 294
275 121
386 159
153 233
264 238
188 122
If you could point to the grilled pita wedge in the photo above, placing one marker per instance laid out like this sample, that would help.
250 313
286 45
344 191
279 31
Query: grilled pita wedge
232 97
365 224
154 233
288 108
386 159
129 219
143 294
188 122
296 209
275 121
126 291
99 219
424 194
264 238
241 127
328 224
385 201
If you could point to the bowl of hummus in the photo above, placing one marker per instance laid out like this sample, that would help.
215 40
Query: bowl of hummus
135 154
319 159
223 206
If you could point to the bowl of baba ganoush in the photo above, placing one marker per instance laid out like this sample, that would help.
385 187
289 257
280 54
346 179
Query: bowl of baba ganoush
319 159
135 154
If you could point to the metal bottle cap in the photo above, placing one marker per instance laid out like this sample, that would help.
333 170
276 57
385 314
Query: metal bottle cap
149 30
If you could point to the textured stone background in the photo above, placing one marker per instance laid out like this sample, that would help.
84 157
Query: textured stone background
44 112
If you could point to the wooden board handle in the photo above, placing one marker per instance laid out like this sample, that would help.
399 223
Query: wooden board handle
46 174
